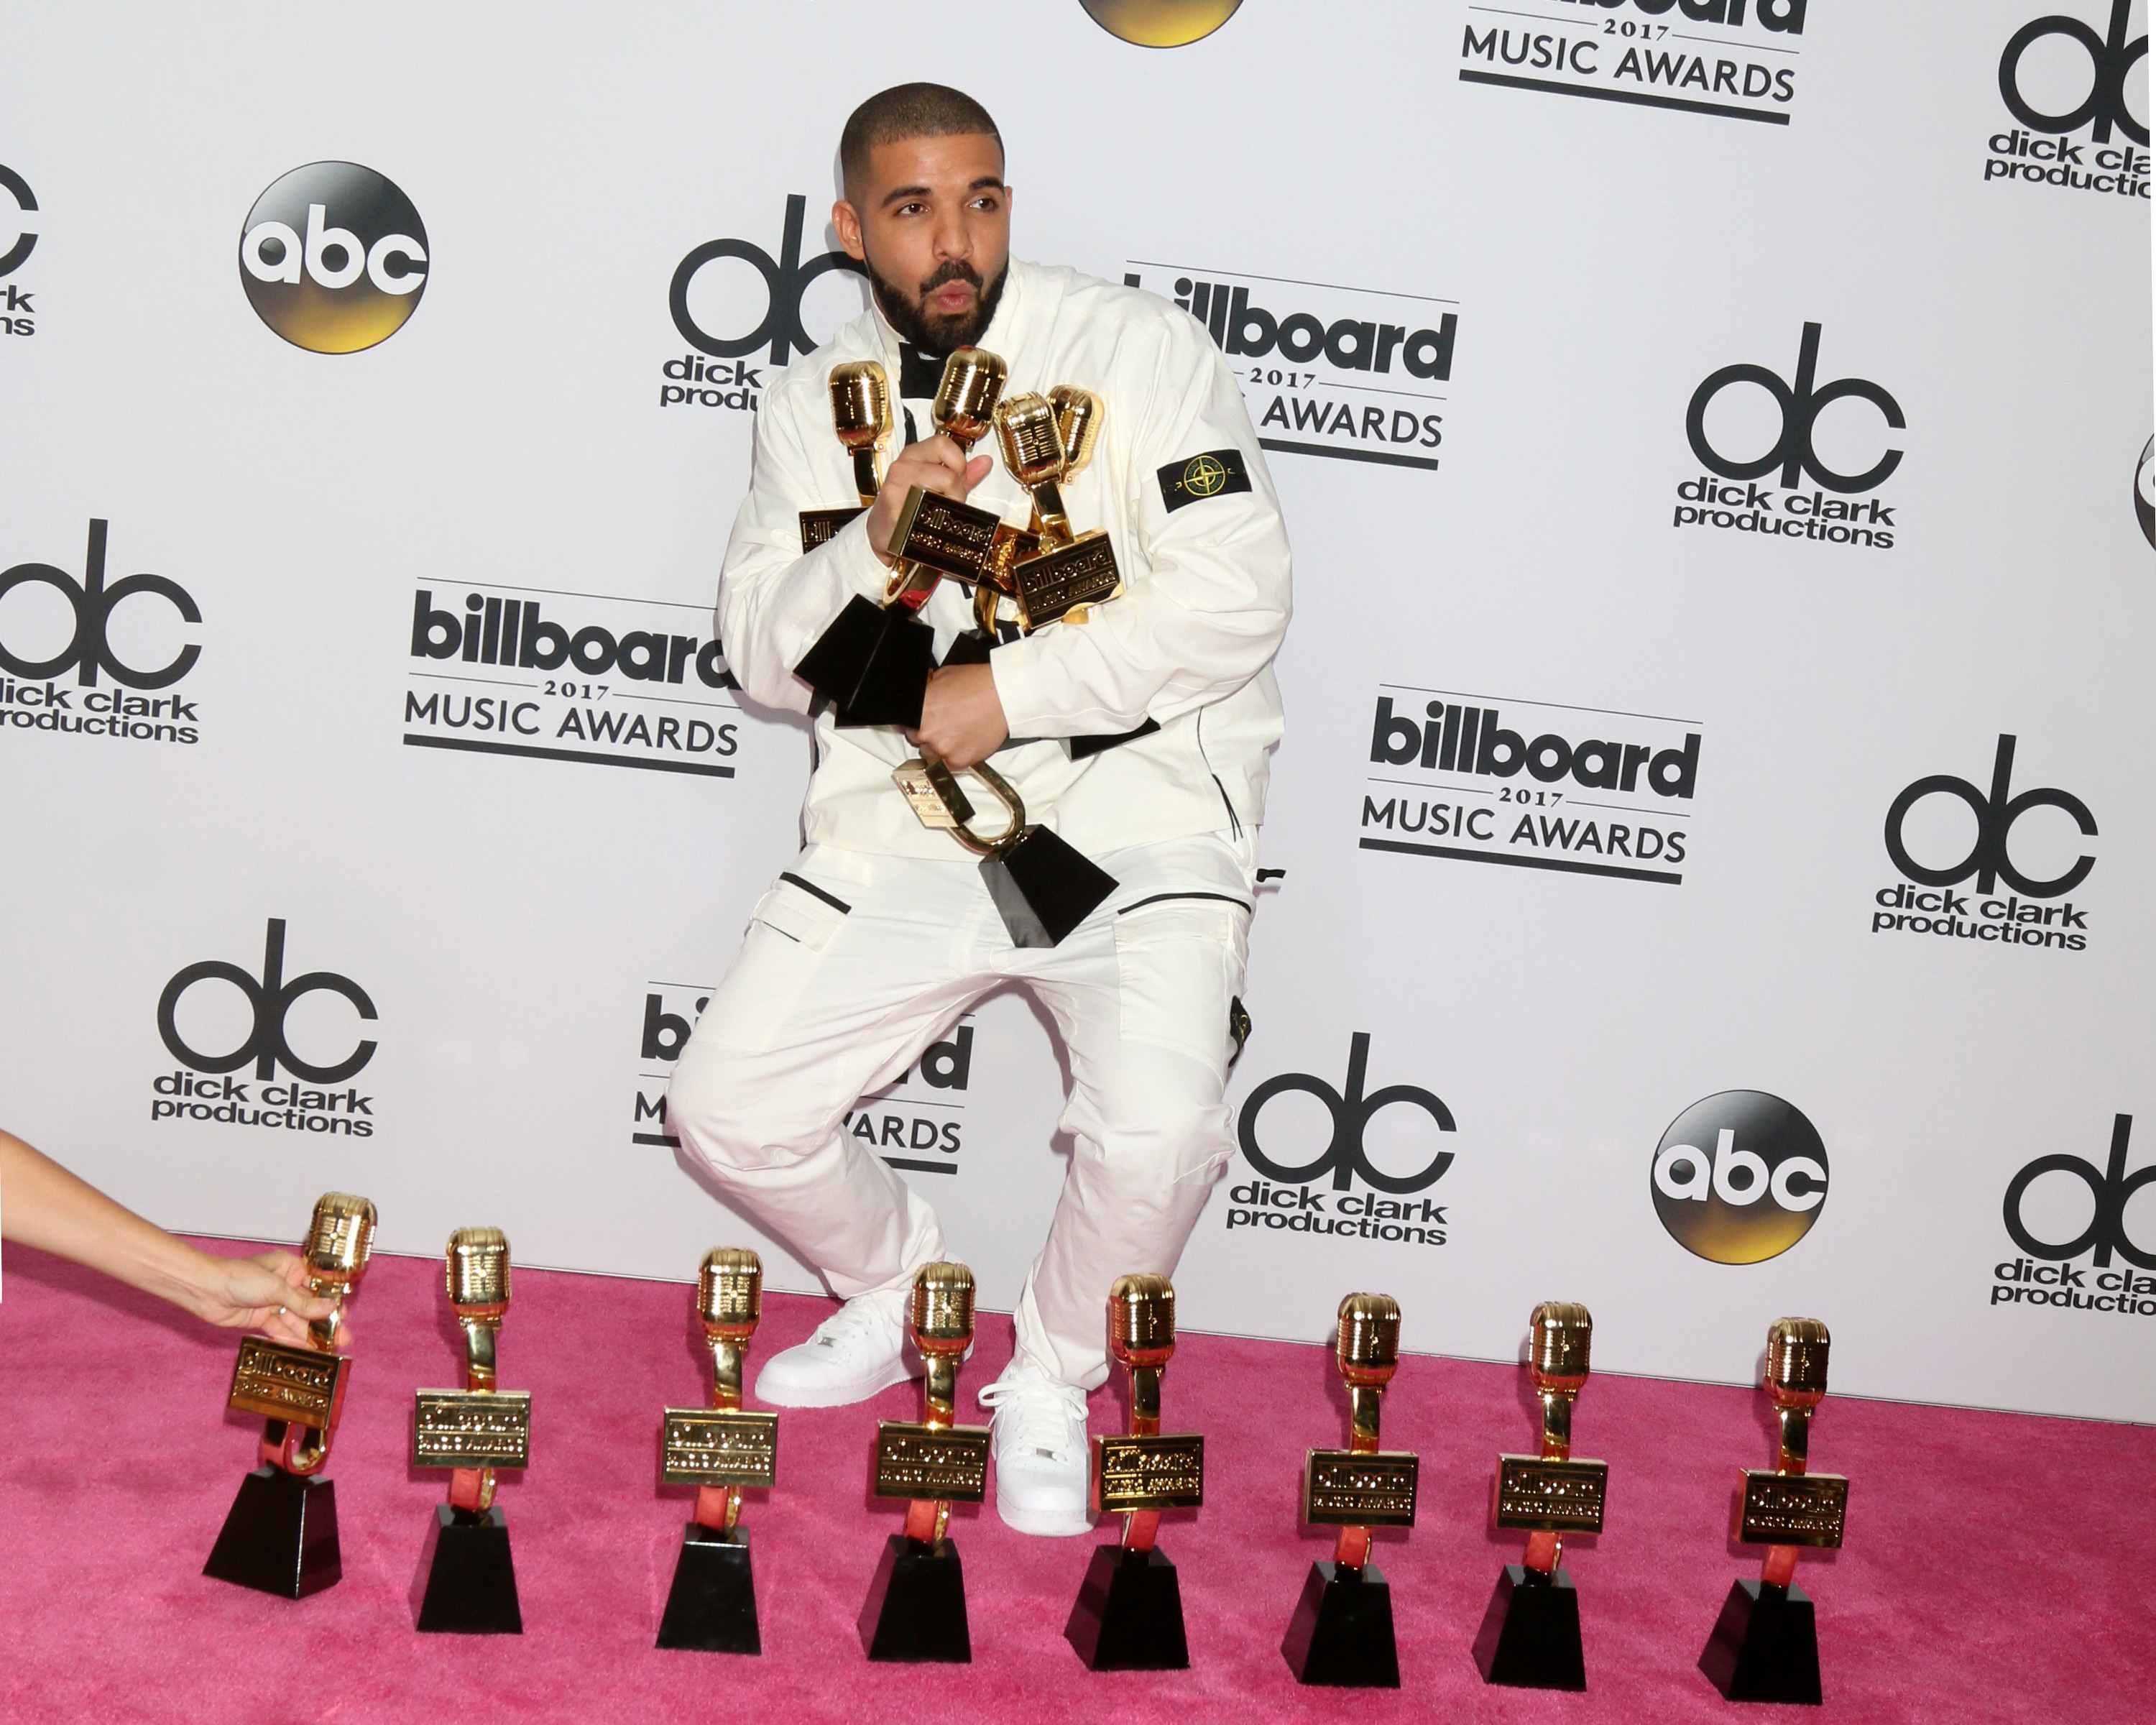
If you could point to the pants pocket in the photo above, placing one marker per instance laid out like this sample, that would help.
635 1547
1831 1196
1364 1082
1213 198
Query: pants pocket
1179 963
787 935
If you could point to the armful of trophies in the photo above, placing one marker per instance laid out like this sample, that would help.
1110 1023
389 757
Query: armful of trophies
874 662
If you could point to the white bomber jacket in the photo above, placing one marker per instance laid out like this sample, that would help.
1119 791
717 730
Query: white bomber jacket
1189 644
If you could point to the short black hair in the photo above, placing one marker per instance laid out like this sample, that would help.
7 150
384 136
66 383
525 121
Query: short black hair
908 111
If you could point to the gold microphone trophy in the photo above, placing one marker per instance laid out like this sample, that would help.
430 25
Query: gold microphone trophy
471 1582
1129 1613
280 1536
916 1605
1342 1633
873 661
1530 1634
1765 1644
721 1451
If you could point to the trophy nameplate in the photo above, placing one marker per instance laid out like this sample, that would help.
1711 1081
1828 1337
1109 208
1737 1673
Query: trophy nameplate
708 1446
1056 583
1536 1495
1803 1509
473 1428
299 1384
819 526
942 533
1149 1472
1374 1489
947 1463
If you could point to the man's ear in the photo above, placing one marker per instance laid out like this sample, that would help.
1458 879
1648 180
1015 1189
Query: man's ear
847 220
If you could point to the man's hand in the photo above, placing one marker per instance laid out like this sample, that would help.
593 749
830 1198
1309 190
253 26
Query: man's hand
935 463
962 719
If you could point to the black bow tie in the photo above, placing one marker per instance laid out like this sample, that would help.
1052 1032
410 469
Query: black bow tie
920 374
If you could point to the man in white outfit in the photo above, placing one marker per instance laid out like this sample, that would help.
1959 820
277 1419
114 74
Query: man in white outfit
882 933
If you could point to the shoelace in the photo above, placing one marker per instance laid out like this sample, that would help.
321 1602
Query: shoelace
1046 1414
856 1323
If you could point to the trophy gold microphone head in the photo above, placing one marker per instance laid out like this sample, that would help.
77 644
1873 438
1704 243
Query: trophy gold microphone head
479 1272
729 1292
965 407
1796 1362
943 1315
1078 417
1031 438
339 1239
1560 1337
1141 1320
1367 1345
860 404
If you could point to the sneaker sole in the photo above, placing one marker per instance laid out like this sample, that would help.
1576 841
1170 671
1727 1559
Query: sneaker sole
842 1394
1047 1523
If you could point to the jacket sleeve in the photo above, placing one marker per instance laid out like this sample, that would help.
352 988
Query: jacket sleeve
773 601
1212 611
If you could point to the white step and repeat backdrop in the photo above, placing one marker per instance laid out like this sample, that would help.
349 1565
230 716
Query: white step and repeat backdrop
1714 438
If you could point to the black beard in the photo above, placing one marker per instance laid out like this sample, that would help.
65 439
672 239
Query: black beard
924 329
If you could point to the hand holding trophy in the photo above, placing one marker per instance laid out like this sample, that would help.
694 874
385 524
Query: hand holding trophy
281 1534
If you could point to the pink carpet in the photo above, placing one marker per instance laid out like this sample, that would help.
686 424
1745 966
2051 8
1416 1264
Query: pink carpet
1995 1568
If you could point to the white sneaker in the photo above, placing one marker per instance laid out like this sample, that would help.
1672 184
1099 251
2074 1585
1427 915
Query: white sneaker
1038 1441
855 1352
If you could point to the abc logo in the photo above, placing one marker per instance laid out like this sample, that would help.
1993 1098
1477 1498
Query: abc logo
1800 405
1740 1178
333 258
1160 23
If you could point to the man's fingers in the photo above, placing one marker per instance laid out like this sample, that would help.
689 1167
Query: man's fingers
977 470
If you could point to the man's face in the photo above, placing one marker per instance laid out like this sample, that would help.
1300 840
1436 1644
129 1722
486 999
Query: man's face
932 223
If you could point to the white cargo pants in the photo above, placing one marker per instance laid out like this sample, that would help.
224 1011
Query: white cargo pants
854 962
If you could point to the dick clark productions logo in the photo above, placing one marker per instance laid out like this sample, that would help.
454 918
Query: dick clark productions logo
1739 1177
333 258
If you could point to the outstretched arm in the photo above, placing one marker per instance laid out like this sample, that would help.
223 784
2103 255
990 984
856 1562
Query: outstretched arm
42 1205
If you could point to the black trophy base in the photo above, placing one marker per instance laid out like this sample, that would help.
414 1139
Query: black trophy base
1341 1636
1129 1613
471 1583
1765 1646
915 1612
1530 1634
971 647
711 1606
280 1537
873 664
1044 889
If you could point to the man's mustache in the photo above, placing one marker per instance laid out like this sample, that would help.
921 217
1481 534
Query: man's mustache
957 270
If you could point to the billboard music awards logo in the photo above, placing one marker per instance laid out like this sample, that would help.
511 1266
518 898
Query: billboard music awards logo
725 316
74 626
2066 84
1318 1196
1652 54
2048 1195
1530 784
1806 498
1739 1177
203 1088
916 1122
18 235
564 685
333 258
1160 23
1355 373
1924 901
